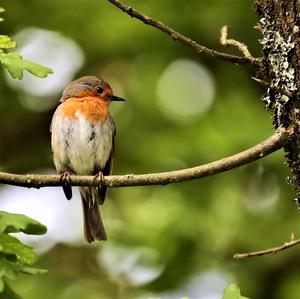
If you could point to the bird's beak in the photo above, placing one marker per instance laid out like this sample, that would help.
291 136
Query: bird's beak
115 98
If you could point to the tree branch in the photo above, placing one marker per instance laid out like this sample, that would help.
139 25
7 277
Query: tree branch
183 39
277 90
273 250
225 41
273 143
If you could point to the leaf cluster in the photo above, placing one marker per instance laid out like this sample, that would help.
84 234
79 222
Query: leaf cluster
14 62
16 257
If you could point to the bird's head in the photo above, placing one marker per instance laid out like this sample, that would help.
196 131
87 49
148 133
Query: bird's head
90 86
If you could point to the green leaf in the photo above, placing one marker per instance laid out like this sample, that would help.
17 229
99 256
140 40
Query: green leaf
12 223
15 65
32 271
6 42
16 257
8 293
10 269
13 247
7 270
233 292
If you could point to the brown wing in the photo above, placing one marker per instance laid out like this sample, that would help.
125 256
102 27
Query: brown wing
107 169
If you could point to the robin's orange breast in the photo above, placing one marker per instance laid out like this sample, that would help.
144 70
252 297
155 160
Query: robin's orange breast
92 108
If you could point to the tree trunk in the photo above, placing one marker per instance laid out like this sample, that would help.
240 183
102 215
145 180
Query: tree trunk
280 27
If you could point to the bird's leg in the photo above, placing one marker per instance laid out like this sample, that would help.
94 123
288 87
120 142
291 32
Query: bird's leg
99 177
65 179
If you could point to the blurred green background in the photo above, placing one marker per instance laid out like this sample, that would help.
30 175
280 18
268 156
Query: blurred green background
182 110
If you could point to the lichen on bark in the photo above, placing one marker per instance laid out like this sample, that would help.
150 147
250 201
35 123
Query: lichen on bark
279 23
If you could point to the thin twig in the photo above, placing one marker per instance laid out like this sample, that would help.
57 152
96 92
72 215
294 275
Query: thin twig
273 250
268 84
262 82
183 39
225 41
273 143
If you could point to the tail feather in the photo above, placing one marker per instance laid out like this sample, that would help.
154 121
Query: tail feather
93 225
101 194
68 191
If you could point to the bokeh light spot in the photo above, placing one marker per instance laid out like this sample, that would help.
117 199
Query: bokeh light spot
137 266
185 91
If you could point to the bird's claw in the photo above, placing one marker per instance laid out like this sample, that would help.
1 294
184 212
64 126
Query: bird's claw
65 178
99 177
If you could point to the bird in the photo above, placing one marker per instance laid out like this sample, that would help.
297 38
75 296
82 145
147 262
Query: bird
83 142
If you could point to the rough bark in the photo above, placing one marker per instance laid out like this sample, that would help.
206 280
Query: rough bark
280 28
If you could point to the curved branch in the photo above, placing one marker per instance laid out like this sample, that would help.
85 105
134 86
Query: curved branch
273 143
183 39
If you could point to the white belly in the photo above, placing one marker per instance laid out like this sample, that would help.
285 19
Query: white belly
80 145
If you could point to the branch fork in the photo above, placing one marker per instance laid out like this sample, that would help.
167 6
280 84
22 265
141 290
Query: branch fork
183 39
225 41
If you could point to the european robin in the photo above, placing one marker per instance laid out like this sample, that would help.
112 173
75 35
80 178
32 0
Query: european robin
82 140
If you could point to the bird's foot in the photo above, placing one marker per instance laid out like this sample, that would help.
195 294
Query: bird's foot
99 177
65 178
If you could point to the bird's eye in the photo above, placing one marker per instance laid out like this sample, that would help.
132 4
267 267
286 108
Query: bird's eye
99 90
